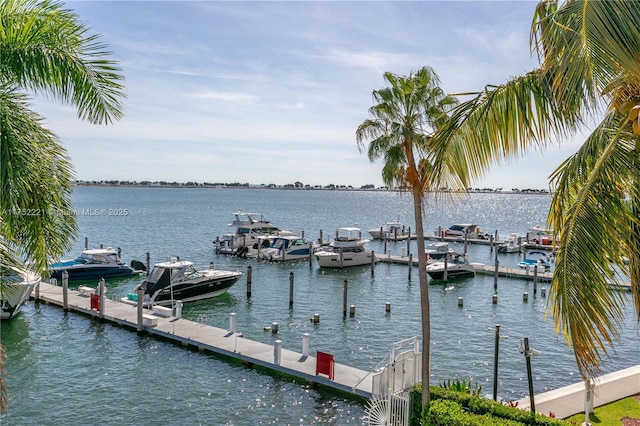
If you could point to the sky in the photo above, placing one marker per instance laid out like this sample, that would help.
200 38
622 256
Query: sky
273 92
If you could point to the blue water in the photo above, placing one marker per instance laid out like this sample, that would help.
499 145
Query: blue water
68 369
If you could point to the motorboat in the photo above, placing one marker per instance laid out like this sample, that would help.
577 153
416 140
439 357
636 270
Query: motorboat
437 250
179 280
252 231
461 230
347 249
515 244
456 265
93 264
392 231
286 247
538 235
15 289
535 258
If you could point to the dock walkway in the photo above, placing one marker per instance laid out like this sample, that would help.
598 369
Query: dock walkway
215 340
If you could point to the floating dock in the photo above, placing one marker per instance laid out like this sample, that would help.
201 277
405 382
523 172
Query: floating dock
212 339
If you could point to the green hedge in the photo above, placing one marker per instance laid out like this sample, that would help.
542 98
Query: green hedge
447 413
473 405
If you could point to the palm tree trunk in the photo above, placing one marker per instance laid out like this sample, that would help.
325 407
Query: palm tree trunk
424 296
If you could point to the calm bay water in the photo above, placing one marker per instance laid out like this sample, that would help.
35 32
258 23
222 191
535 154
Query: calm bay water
68 369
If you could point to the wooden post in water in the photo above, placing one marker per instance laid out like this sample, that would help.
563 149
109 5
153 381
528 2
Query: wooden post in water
344 299
466 237
341 257
148 263
446 265
373 261
320 239
495 275
409 244
535 280
249 281
140 303
290 289
410 265
101 292
65 291
86 243
310 255
385 243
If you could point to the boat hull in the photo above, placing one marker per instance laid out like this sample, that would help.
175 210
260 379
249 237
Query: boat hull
15 295
192 291
333 260
452 274
86 272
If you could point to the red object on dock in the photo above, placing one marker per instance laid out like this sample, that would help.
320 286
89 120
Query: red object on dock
95 302
325 364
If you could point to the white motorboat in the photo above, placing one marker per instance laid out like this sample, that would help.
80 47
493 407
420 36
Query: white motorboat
540 236
179 280
93 264
251 230
455 266
515 244
287 247
15 289
347 249
392 231
460 230
437 250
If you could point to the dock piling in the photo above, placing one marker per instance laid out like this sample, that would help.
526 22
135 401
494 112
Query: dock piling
148 263
277 352
86 243
140 327
352 310
65 291
495 299
410 265
101 292
178 314
274 328
460 302
387 307
290 289
525 297
344 299
305 344
233 322
249 271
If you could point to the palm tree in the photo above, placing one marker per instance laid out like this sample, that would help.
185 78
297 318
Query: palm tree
44 49
404 115
589 70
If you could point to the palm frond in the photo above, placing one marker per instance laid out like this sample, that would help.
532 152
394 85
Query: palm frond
44 48
591 215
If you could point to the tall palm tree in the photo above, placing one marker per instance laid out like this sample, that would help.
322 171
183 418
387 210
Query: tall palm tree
44 49
589 71
404 115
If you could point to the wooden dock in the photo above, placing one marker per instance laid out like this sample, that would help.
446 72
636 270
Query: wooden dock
212 339
482 269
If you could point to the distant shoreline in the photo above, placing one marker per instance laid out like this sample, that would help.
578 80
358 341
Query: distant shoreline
293 187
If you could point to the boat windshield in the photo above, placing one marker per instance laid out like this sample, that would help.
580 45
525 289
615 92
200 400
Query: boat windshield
96 258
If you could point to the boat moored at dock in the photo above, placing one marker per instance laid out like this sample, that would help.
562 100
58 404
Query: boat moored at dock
93 264
286 247
179 280
15 288
391 231
251 231
454 265
347 249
